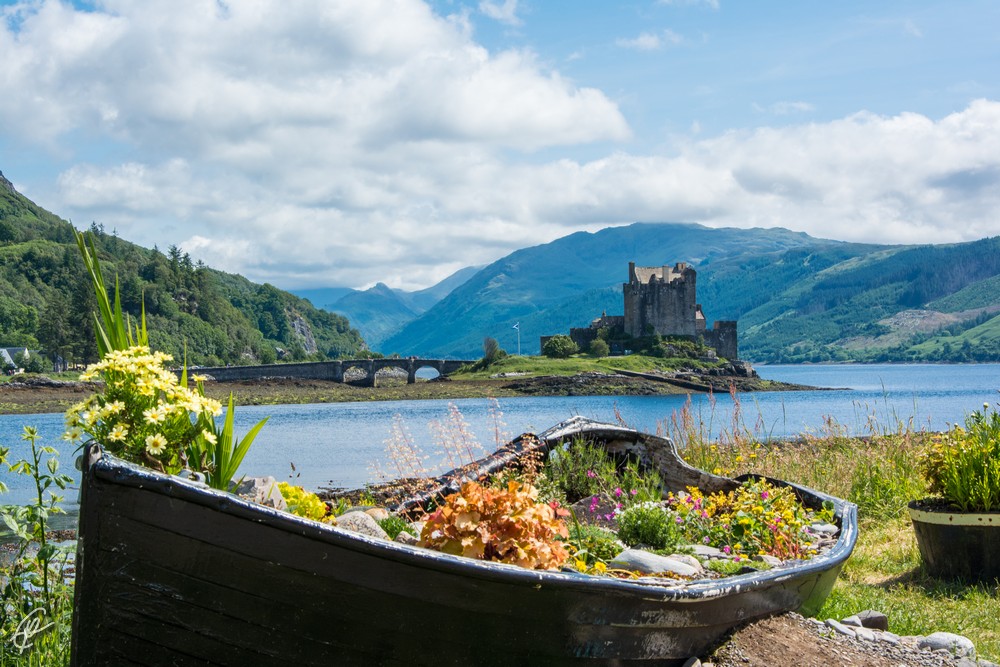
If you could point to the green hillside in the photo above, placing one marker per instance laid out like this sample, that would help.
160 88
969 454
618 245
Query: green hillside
570 281
797 298
45 299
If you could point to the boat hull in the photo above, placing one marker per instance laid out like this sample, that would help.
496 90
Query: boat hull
173 574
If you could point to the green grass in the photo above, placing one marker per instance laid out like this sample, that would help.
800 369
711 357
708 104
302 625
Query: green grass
884 573
581 363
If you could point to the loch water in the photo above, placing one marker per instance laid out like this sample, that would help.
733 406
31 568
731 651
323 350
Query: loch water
335 444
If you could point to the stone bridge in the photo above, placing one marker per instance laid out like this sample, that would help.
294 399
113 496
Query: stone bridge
333 370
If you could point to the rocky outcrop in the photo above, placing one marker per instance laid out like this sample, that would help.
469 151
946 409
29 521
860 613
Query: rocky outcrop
304 332
6 185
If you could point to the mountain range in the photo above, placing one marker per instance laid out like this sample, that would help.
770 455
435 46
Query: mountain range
797 298
380 311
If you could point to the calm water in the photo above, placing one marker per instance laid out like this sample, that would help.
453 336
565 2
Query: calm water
334 444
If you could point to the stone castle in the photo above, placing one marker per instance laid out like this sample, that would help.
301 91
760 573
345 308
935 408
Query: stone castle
661 300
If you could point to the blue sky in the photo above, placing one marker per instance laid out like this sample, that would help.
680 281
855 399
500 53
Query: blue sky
315 144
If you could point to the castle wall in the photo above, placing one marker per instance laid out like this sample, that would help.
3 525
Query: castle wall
723 338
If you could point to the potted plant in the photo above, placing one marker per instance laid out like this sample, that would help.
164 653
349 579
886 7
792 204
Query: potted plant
958 529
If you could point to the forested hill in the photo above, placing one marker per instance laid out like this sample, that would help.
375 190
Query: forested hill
796 298
45 298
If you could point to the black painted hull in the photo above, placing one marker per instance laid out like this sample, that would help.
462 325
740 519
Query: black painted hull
172 574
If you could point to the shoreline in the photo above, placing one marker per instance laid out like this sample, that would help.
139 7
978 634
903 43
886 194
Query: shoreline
38 395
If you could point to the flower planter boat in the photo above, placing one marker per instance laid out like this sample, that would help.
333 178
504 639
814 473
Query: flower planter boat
172 573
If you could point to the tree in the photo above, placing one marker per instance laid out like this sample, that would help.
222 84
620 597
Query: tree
599 348
559 346
492 352
54 332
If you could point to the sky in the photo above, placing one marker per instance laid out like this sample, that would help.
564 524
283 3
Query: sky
323 143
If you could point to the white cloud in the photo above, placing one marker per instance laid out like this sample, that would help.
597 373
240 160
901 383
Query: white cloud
319 144
505 12
648 41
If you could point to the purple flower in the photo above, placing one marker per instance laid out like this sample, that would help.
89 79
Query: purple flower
705 540
609 517
679 520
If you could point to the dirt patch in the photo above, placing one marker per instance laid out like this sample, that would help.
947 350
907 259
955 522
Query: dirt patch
44 395
791 639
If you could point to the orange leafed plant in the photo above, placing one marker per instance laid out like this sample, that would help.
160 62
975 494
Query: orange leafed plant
504 524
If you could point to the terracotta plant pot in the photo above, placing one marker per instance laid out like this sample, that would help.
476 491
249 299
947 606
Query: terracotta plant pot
957 545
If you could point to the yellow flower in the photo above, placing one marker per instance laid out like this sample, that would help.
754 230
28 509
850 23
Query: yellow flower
118 433
209 437
156 444
717 471
198 378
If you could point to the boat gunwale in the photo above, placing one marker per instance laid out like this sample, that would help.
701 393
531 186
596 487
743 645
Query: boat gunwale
117 471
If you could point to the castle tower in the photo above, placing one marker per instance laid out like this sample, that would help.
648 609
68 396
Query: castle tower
662 300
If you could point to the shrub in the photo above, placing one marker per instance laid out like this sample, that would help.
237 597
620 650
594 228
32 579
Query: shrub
500 524
599 348
586 469
963 465
580 470
649 524
593 545
144 414
559 346
303 503
394 525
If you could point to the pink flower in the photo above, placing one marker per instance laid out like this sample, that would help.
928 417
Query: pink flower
726 549
618 506
705 540
591 474
763 495
594 502
634 492
618 492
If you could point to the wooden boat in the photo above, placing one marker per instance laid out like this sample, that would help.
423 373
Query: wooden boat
170 573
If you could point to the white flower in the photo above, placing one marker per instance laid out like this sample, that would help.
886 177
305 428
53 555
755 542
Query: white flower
118 433
156 444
